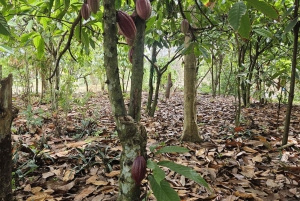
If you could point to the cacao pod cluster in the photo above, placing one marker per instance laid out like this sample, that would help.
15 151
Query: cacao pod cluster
89 6
138 169
126 25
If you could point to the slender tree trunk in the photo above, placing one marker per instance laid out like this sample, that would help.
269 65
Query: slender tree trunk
6 118
155 100
169 85
86 84
36 81
0 72
132 134
293 76
150 94
137 71
190 127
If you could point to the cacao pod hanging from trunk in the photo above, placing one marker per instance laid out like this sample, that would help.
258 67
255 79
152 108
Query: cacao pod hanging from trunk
129 41
85 11
143 8
185 26
126 25
138 169
94 5
130 53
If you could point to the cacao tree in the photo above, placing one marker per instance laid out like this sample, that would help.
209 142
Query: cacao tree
132 134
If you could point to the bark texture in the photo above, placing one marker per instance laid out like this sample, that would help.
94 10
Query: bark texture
190 127
6 117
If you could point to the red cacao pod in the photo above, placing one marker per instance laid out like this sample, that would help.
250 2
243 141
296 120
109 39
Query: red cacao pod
138 169
185 26
94 5
126 25
85 11
143 8
129 41
130 53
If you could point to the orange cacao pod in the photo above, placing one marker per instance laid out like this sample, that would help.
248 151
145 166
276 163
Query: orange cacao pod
94 5
85 11
143 8
126 25
138 169
185 26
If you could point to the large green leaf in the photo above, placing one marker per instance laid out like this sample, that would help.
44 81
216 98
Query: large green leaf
264 7
245 27
158 173
185 171
163 191
39 44
4 29
291 25
172 149
3 2
264 32
235 14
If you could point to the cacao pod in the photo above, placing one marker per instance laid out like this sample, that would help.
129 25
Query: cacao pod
130 53
94 5
126 25
138 169
143 8
85 11
129 41
185 26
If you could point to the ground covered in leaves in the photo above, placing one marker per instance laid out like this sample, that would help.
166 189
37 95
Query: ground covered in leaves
74 154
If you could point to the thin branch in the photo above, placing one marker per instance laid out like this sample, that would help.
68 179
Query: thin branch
67 46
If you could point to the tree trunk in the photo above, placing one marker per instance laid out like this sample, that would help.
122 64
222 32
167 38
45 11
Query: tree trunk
137 71
0 72
86 84
190 127
150 94
293 76
168 87
36 81
6 118
132 134
155 100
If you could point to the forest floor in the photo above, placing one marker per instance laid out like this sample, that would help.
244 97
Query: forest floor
74 155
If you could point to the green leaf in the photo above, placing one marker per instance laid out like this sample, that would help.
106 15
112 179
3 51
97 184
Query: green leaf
39 44
172 149
118 4
245 27
4 48
3 2
4 29
163 191
67 4
50 5
235 14
201 51
264 7
185 171
158 173
189 49
264 32
291 25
